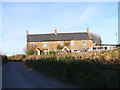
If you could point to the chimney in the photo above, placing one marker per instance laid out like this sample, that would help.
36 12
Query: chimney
27 35
55 31
27 32
88 31
27 39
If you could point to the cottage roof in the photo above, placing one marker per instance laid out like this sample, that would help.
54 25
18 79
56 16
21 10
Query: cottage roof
58 37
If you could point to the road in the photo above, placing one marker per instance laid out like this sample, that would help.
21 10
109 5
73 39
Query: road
16 75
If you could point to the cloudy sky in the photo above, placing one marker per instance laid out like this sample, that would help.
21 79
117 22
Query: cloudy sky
44 17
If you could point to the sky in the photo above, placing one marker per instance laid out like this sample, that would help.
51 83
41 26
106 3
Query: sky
44 17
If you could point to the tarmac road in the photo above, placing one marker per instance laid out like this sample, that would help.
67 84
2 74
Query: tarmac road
16 75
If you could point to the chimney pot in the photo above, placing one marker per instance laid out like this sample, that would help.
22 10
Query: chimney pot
27 32
55 31
88 31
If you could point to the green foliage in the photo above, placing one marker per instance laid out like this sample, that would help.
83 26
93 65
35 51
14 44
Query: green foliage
67 43
51 52
4 59
118 47
59 47
88 73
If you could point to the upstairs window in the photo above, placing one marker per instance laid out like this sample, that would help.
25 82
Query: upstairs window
59 43
83 42
44 43
32 44
72 43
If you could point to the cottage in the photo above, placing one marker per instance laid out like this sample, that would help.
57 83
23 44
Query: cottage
62 41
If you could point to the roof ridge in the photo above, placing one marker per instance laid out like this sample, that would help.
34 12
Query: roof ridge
60 36
76 32
58 33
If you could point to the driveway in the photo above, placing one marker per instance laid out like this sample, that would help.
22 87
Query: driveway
16 75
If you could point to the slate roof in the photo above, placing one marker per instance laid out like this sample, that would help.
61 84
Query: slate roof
58 37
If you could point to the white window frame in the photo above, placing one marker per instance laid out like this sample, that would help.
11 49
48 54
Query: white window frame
32 44
44 43
84 42
60 43
72 43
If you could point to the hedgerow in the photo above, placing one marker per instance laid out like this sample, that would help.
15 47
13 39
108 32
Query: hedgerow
4 59
85 73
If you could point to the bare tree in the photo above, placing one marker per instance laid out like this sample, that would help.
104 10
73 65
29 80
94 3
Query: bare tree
30 50
96 38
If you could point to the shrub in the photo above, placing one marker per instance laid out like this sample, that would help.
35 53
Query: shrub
66 43
17 57
31 51
59 47
4 59
88 73
51 52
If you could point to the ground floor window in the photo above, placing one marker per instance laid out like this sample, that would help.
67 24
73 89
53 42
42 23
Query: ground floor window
72 43
83 42
44 43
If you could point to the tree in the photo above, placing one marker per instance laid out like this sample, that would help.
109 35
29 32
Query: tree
31 50
96 38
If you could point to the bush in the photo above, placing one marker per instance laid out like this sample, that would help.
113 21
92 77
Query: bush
31 51
59 47
4 59
51 52
66 43
88 73
19 57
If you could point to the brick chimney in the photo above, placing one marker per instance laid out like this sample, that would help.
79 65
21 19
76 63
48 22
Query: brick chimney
27 36
26 39
55 31
88 31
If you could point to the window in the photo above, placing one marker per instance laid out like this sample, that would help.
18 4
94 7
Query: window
60 43
32 44
72 43
44 43
83 42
